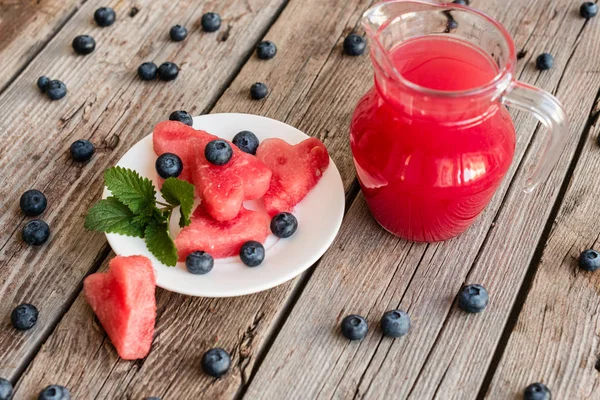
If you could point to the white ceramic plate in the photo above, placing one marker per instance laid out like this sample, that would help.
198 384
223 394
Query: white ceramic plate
319 218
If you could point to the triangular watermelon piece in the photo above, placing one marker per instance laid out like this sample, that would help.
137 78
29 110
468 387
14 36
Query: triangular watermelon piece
296 170
124 301
222 239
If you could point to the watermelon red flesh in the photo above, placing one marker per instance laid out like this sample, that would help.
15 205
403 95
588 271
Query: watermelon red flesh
296 170
124 301
221 239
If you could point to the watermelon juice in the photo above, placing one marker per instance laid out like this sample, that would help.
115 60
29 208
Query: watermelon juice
429 165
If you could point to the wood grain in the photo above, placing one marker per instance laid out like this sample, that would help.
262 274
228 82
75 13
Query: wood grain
25 28
109 105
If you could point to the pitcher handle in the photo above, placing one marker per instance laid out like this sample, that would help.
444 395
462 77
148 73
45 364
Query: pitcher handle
548 110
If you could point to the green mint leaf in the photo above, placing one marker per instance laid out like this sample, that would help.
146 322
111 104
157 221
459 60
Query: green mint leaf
179 193
160 244
112 216
130 188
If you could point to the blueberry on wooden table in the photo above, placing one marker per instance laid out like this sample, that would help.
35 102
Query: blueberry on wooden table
588 10
218 152
537 391
354 45
84 44
6 389
216 362
152 398
105 16
168 71
473 298
182 116
178 33
589 260
544 62
56 90
266 50
35 232
82 150
55 392
147 71
210 22
354 327
246 141
42 82
168 165
199 263
395 323
258 91
24 317
33 203
284 225
252 253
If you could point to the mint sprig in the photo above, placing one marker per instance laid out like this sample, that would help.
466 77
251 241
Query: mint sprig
132 210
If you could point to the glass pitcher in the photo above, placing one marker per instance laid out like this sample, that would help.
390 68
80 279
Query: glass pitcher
432 140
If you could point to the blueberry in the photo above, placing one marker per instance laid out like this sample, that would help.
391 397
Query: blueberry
84 44
218 152
82 150
168 71
395 323
199 263
33 203
147 71
462 2
24 317
43 82
178 33
6 389
246 141
252 253
211 22
56 90
544 62
168 165
537 391
284 225
266 50
54 392
589 260
182 116
35 232
259 91
152 398
216 362
588 10
105 16
354 45
354 327
473 298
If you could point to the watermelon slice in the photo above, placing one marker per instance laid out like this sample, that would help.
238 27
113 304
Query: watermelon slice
124 301
296 170
221 239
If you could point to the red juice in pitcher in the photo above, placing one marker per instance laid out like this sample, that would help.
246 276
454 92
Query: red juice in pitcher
427 170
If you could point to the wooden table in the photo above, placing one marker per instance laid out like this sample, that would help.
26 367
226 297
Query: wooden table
543 321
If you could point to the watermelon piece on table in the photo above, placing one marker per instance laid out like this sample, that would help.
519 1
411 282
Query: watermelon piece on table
124 301
222 239
296 170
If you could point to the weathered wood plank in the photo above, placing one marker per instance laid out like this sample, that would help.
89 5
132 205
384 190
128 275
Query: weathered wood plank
447 352
308 74
108 104
25 27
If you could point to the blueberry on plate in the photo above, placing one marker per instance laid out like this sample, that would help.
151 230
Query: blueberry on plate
246 141
259 91
147 71
354 327
218 152
354 45
178 33
211 22
537 391
588 10
473 298
82 150
182 116
199 262
6 389
168 165
216 362
266 50
252 253
395 323
33 203
284 225
43 82
105 16
84 44
56 90
461 2
35 232
168 71
54 392
544 62
24 317
589 260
